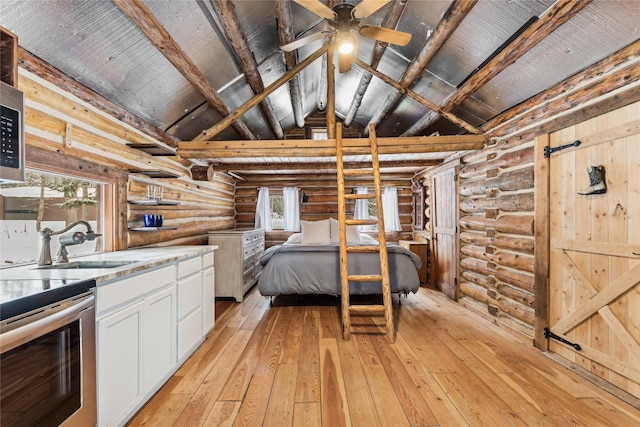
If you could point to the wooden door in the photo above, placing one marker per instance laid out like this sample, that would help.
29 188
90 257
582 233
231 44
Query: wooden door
444 195
594 267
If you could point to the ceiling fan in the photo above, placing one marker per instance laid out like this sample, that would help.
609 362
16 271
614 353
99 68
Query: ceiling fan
344 18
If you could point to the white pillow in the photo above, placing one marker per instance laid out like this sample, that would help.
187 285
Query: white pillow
316 232
294 239
353 235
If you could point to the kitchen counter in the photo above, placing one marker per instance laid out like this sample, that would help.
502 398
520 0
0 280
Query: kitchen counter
146 258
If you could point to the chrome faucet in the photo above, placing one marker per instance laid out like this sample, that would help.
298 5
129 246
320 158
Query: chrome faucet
67 240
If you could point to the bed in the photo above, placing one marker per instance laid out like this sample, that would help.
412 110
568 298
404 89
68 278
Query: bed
307 267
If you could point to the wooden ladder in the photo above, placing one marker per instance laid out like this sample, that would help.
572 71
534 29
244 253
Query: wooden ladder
386 307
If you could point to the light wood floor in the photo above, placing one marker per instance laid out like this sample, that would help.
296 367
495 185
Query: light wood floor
287 364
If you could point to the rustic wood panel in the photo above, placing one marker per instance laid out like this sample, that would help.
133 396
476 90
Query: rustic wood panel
593 289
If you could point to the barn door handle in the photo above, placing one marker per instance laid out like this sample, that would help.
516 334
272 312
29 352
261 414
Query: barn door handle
636 253
549 334
548 150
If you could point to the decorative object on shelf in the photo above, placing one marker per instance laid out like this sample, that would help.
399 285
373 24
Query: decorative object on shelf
152 220
154 192
597 184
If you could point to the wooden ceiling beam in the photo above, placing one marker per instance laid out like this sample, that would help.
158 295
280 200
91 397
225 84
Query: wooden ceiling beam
227 13
323 148
235 115
554 17
316 166
284 19
456 13
390 20
422 100
142 17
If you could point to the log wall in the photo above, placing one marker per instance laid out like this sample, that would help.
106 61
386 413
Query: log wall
322 191
60 122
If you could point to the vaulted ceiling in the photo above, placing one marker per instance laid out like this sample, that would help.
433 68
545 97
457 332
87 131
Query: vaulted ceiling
190 66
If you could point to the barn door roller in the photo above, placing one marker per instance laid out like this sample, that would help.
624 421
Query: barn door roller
549 334
548 150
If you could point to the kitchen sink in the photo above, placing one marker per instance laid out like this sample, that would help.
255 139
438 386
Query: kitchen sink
86 264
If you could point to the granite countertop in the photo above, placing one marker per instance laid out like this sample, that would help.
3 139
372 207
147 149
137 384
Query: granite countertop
145 258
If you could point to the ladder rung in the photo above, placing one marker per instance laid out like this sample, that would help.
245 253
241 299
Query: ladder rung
364 277
358 172
361 221
366 309
363 248
359 196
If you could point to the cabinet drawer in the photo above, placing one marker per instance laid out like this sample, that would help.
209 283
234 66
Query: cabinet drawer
207 260
189 295
189 266
119 292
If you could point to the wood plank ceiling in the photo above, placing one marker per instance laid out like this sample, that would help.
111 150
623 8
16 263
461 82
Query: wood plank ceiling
227 82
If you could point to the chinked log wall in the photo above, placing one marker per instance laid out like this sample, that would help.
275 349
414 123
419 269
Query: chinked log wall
66 119
496 233
322 191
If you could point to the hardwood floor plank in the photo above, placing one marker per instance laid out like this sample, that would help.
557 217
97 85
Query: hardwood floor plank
222 414
308 378
361 405
307 414
387 404
335 408
281 401
205 396
448 367
415 408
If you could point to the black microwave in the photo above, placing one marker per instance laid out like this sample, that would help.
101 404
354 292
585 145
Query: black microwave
11 134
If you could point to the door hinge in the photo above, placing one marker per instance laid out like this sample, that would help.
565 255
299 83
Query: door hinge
549 334
548 150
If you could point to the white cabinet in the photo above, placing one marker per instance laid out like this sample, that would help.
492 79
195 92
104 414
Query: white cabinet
238 259
135 341
208 293
119 354
147 325
189 306
159 337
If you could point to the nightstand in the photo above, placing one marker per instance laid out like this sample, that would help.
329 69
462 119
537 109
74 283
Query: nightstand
421 250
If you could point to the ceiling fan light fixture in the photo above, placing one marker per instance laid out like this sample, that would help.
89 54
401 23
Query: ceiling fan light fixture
346 44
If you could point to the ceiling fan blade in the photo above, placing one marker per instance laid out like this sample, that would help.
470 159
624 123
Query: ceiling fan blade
367 7
289 47
318 8
385 35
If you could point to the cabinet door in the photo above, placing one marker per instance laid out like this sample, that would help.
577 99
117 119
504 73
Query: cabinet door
159 337
119 364
189 314
208 300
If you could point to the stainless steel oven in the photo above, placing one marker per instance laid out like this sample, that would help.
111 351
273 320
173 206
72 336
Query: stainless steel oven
48 363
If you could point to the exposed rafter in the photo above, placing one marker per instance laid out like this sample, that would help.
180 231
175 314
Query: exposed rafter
323 148
142 17
458 10
285 32
238 41
232 117
390 21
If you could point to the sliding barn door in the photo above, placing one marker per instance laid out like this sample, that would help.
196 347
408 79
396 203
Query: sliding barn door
594 292
444 190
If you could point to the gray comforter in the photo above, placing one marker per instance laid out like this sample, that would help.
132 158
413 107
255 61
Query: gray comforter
315 269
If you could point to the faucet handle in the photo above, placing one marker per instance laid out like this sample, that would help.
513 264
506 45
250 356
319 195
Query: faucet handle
90 235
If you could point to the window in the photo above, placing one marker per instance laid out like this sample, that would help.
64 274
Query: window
276 203
47 200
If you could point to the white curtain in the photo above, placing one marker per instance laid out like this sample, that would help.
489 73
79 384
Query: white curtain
263 210
291 209
361 208
390 209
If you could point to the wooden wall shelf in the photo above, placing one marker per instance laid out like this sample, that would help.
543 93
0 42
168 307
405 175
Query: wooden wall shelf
154 150
153 202
152 228
154 173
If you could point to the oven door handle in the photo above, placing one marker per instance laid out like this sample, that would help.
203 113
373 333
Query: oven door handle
44 325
